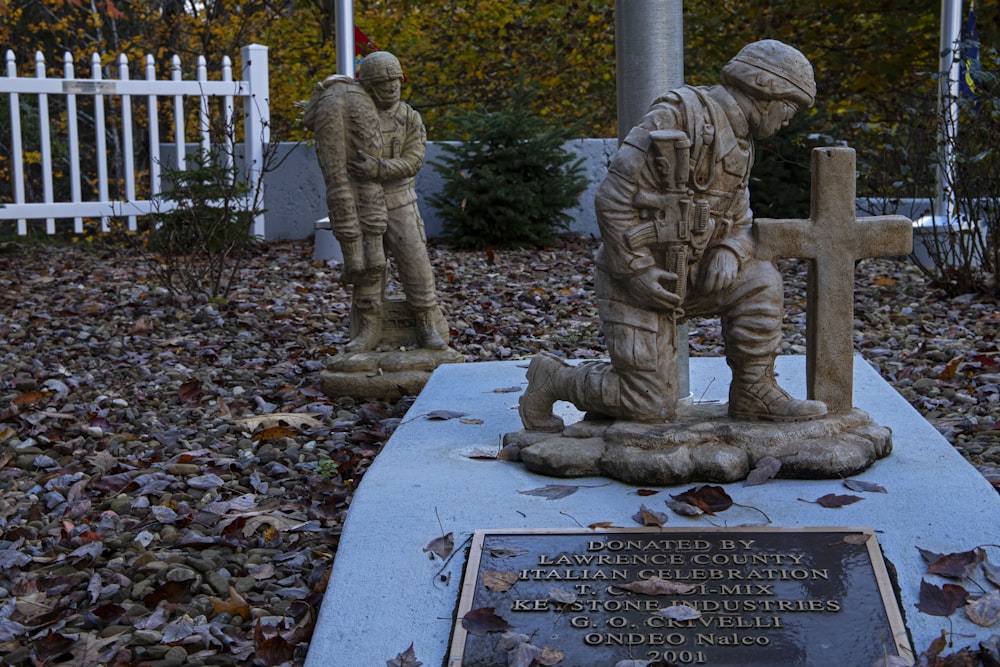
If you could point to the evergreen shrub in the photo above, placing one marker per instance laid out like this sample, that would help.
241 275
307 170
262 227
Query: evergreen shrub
510 182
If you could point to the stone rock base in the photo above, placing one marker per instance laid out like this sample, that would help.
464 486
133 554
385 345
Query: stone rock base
383 375
703 444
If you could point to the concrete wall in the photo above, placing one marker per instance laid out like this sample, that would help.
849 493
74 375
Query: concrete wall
295 194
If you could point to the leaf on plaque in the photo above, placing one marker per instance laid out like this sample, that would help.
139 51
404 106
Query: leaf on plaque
552 491
441 546
765 470
649 518
834 501
986 610
941 600
862 486
856 539
484 620
658 586
957 565
710 499
680 612
499 582
407 658
561 596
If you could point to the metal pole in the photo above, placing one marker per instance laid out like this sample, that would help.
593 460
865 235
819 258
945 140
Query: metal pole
649 61
345 37
951 26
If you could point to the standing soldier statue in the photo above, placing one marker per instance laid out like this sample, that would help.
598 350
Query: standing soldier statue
675 220
370 146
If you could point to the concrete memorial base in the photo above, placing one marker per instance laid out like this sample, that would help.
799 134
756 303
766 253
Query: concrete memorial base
704 444
435 477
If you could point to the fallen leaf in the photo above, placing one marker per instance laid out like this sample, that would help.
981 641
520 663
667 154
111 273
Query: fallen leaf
957 565
767 467
552 491
647 517
499 582
472 422
407 658
484 620
941 600
948 374
986 610
833 500
710 499
684 509
992 572
601 524
273 434
441 546
292 419
507 390
862 487
645 492
680 612
561 596
658 586
236 605
444 415
29 398
190 391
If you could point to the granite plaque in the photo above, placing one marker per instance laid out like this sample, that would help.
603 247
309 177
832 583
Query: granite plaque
807 597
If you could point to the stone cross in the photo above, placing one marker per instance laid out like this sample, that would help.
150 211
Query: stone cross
834 239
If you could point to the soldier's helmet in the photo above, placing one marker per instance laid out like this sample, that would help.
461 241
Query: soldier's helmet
772 70
379 66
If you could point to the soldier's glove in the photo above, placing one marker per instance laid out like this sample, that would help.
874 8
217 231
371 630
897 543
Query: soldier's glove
365 167
722 270
651 288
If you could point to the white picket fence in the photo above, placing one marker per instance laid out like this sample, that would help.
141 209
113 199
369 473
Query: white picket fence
100 202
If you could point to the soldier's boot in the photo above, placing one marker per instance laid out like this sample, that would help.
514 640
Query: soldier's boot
545 379
755 394
427 335
367 336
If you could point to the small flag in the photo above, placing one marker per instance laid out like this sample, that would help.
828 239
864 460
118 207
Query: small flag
362 47
969 75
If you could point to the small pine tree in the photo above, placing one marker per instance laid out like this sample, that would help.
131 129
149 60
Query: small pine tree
510 182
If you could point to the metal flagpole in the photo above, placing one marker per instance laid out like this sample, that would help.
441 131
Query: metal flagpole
649 61
951 27
344 18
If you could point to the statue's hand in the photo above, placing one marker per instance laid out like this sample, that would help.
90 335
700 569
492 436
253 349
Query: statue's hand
650 287
721 271
364 167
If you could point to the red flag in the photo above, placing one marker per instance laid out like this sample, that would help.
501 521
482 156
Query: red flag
362 47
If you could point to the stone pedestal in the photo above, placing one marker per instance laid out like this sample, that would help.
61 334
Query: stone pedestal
386 374
703 444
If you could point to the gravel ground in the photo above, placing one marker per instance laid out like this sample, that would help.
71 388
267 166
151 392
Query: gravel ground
173 482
